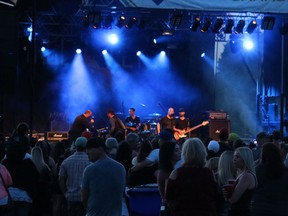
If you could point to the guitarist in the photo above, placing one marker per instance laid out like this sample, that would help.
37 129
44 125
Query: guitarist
132 123
181 123
115 124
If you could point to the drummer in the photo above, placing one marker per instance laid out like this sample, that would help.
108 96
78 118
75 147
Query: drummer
132 122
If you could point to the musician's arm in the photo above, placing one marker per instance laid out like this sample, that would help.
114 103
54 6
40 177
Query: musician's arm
112 124
158 128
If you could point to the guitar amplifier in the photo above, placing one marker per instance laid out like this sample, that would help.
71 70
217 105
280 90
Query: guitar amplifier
57 135
218 115
216 125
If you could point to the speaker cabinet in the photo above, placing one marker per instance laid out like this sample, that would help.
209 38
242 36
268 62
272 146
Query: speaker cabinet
216 125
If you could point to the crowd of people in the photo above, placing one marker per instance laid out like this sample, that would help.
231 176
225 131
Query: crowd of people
88 174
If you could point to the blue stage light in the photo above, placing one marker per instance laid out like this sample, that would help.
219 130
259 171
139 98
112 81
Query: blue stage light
163 53
248 44
138 53
113 39
43 49
104 52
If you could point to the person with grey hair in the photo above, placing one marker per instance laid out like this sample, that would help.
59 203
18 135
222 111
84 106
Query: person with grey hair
111 144
191 188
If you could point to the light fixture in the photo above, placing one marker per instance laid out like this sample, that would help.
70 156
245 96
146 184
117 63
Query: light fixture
268 23
251 27
175 20
195 24
206 25
121 21
218 25
240 26
97 20
86 20
131 23
167 32
107 24
228 27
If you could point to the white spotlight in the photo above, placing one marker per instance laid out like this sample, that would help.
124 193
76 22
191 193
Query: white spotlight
138 53
162 53
43 49
104 52
248 45
155 41
203 54
113 39
78 51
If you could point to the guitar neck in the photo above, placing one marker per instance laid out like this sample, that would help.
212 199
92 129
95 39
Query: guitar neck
193 128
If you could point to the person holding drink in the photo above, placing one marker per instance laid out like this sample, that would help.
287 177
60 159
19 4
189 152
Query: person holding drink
240 192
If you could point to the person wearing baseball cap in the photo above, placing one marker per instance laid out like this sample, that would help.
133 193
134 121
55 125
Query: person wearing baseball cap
70 176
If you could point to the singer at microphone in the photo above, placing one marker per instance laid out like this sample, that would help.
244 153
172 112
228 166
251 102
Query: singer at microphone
167 122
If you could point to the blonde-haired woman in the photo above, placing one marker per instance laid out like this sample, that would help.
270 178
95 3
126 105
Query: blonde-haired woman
226 171
42 205
245 183
191 189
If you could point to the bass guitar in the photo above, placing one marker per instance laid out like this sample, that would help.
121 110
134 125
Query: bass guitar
178 135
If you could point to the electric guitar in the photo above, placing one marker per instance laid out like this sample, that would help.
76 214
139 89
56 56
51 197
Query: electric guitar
178 135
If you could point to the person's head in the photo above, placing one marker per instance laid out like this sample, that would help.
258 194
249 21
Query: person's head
131 111
88 113
272 160
169 154
213 146
111 143
95 149
110 113
262 138
223 135
144 150
212 164
194 152
170 112
80 144
16 149
133 140
226 169
45 147
181 112
238 143
37 158
243 159
87 134
124 155
22 129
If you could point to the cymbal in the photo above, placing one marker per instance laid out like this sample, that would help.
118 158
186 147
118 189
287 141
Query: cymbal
155 114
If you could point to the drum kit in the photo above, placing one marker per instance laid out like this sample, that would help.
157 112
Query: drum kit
149 125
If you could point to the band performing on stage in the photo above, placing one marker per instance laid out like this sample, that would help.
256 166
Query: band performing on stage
177 125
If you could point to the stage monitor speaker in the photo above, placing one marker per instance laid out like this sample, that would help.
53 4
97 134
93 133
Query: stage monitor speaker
216 125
